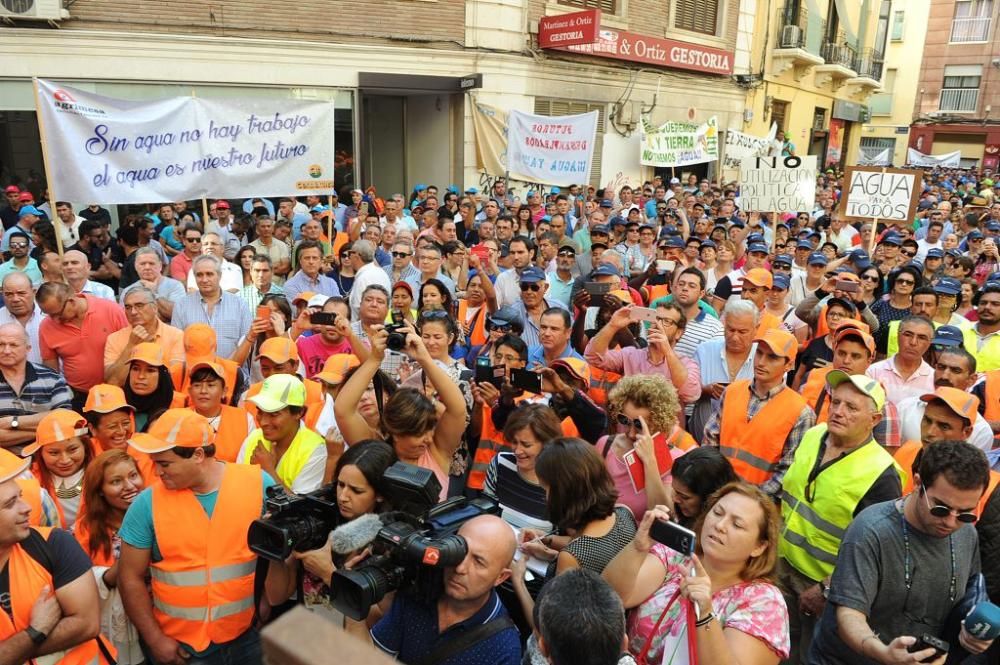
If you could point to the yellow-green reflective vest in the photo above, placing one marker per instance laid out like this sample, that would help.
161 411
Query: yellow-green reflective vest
815 521
294 459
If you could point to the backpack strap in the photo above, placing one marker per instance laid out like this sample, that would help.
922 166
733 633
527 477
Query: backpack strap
452 648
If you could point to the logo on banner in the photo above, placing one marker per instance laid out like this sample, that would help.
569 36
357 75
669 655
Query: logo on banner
315 170
63 101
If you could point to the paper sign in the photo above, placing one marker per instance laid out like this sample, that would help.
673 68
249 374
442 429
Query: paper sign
636 469
778 184
553 150
740 146
886 194
107 150
679 143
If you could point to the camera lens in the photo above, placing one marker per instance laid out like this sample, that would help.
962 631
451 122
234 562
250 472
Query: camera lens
353 592
396 341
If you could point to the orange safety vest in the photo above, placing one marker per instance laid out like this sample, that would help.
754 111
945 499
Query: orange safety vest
655 292
232 432
814 393
182 379
601 382
767 322
991 395
27 579
990 488
315 401
203 586
754 446
907 453
476 333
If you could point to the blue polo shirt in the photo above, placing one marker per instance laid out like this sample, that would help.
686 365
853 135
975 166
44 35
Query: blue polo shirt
410 631
536 355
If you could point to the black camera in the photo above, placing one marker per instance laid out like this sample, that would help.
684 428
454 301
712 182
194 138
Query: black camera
293 522
397 339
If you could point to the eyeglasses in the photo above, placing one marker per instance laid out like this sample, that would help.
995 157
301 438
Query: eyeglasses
434 314
18 245
625 421
566 253
942 510
400 255
531 286
870 278
908 252
666 323
782 266
192 239
905 282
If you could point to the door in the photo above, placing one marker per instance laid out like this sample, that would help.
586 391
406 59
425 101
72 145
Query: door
384 143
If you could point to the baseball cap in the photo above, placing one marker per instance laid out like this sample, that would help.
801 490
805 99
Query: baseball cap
319 207
708 243
278 349
948 336
892 239
863 383
216 368
317 300
953 253
783 258
12 189
607 203
28 210
780 342
11 466
990 226
948 286
336 367
935 253
622 295
531 274
149 353
221 203
804 244
965 405
675 181
758 247
605 269
505 316
759 277
817 258
781 282
403 285
25 197
176 428
852 332
576 367
600 229
975 235
616 221
106 398
199 341
859 258
56 426
303 296
598 243
567 244
673 241
472 190
280 391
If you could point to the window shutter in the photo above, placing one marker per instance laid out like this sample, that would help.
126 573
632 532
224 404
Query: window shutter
553 107
607 6
697 15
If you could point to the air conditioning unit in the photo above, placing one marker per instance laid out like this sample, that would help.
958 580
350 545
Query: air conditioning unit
791 36
33 10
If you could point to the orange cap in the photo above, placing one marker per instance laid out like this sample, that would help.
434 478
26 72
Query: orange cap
622 295
852 323
210 364
305 296
759 277
848 277
149 353
781 343
853 332
336 367
279 349
199 341
11 466
105 398
56 426
576 367
176 428
966 405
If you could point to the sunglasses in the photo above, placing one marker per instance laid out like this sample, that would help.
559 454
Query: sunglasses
566 253
869 278
18 245
192 239
401 255
909 253
782 266
434 315
531 286
625 421
941 510
905 282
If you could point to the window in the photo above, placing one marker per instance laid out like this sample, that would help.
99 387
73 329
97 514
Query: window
607 6
551 107
960 89
876 151
697 16
779 112
819 119
897 26
972 21
882 31
881 103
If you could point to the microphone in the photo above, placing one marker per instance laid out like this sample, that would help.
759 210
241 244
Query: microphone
983 622
357 533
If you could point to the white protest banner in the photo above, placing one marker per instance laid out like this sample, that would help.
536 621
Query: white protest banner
948 160
490 126
106 150
778 184
555 150
871 158
879 193
679 143
740 146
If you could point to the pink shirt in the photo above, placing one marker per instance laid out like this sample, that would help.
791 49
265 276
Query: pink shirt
627 496
314 350
632 360
896 387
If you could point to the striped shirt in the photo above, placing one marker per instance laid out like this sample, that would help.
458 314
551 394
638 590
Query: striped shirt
252 296
231 319
702 327
43 390
522 503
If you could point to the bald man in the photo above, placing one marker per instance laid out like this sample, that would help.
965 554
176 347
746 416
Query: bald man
412 629
20 307
76 272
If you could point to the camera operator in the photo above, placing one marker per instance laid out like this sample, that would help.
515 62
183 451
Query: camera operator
468 624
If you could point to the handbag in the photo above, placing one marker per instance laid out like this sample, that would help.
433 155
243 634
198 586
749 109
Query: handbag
643 657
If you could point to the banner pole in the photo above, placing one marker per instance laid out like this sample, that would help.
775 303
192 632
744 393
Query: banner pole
204 214
871 241
329 222
48 171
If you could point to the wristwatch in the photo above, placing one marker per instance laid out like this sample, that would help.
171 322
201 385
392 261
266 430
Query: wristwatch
15 423
824 589
36 636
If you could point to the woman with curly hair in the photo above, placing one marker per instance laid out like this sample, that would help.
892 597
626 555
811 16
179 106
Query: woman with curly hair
642 414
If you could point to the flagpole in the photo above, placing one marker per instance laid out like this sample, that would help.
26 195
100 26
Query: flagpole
48 170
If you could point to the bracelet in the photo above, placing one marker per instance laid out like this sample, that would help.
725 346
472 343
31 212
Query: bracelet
705 620
872 636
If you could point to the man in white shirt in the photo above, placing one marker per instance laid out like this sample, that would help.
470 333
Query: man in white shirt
366 272
933 238
70 225
232 275
20 307
841 233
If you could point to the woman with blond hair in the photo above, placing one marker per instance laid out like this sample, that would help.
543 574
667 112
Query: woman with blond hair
741 616
642 415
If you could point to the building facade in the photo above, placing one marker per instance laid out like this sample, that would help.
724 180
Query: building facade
958 95
404 74
885 137
822 60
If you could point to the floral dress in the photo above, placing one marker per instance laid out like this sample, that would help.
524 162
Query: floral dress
756 608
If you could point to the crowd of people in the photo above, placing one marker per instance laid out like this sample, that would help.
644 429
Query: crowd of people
709 434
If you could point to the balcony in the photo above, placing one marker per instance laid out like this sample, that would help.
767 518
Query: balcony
970 29
959 100
792 50
840 61
868 66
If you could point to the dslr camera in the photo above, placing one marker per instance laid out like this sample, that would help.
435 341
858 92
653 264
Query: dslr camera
397 339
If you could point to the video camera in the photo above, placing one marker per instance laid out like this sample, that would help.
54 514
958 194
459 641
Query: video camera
413 542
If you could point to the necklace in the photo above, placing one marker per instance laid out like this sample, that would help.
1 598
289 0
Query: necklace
71 492
908 574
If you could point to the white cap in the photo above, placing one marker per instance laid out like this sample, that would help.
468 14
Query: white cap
675 181
317 300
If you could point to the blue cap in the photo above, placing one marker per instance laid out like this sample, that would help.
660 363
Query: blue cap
818 258
916 264
505 316
754 237
554 191
471 190
975 235
452 189
804 244
814 234
993 226
935 253
617 221
783 258
948 286
607 203
948 336
603 269
319 208
892 239
29 210
708 243
419 187
600 228
673 241
781 282
758 247
531 274
953 253
860 259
